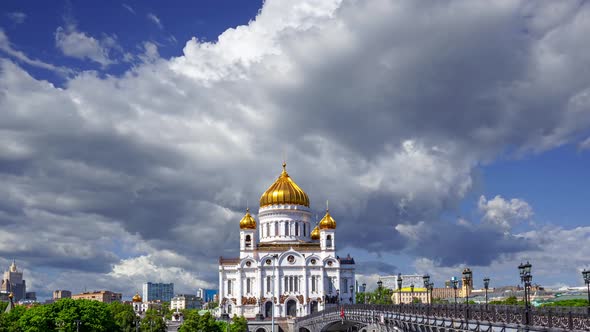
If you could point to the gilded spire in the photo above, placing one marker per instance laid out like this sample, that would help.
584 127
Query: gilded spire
327 221
248 222
284 191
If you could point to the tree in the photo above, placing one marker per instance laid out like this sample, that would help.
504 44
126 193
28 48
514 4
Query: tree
153 322
239 324
567 303
9 322
512 300
123 315
193 322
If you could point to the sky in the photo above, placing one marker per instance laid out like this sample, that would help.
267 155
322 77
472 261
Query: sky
447 134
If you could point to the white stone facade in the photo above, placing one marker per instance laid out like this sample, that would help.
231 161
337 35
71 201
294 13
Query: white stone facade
279 260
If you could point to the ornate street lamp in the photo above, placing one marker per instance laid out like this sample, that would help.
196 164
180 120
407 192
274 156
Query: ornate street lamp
454 281
365 292
379 285
412 293
467 275
399 287
586 275
430 288
526 278
486 285
426 279
351 293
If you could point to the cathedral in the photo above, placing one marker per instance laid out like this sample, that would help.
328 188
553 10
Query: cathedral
285 260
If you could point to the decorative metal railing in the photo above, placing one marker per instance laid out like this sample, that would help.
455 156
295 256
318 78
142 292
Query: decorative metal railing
563 318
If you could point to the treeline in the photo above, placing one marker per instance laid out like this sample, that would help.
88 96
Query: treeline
65 314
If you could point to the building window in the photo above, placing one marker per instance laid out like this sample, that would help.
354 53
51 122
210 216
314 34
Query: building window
286 228
248 285
268 284
267 229
329 241
297 229
304 229
229 287
296 284
330 288
248 241
345 285
276 229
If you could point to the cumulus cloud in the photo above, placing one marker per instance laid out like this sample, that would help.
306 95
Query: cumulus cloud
384 108
502 213
79 45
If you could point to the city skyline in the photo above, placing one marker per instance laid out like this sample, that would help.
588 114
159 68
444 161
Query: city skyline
444 136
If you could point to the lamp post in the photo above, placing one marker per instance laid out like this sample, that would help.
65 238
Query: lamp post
412 293
399 287
430 288
586 275
379 285
426 279
351 293
486 285
137 320
454 281
365 292
77 321
526 277
467 275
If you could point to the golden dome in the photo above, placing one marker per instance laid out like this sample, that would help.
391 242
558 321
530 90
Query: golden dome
137 298
248 222
315 234
327 221
284 191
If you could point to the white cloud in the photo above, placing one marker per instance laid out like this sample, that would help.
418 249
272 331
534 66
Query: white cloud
82 46
129 8
384 108
503 213
7 48
155 20
17 17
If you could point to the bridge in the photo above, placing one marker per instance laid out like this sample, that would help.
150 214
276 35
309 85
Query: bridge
444 318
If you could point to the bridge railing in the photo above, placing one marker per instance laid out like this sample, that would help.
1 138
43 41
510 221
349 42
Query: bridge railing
567 318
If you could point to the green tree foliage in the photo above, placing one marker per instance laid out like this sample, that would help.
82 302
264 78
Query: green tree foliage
212 305
193 322
63 315
123 315
153 322
567 303
378 296
512 300
9 321
239 324
3 306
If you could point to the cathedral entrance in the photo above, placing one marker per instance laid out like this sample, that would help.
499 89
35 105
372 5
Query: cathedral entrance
292 308
268 309
313 307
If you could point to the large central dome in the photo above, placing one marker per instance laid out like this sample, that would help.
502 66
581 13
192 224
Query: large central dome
284 191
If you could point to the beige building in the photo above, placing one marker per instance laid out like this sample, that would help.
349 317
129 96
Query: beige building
409 296
61 294
13 282
101 296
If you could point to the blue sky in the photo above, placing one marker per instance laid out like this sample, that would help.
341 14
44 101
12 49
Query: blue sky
161 121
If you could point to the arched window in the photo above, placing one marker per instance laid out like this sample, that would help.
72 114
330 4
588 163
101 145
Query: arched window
304 229
329 241
248 241
297 229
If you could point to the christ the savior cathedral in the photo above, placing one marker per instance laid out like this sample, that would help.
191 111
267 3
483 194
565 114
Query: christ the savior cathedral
285 260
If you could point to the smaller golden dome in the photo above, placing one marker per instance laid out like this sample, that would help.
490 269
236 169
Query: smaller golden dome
315 234
137 298
327 221
248 222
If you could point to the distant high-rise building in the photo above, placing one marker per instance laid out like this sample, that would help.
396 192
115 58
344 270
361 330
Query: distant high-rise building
13 283
206 294
61 294
158 291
